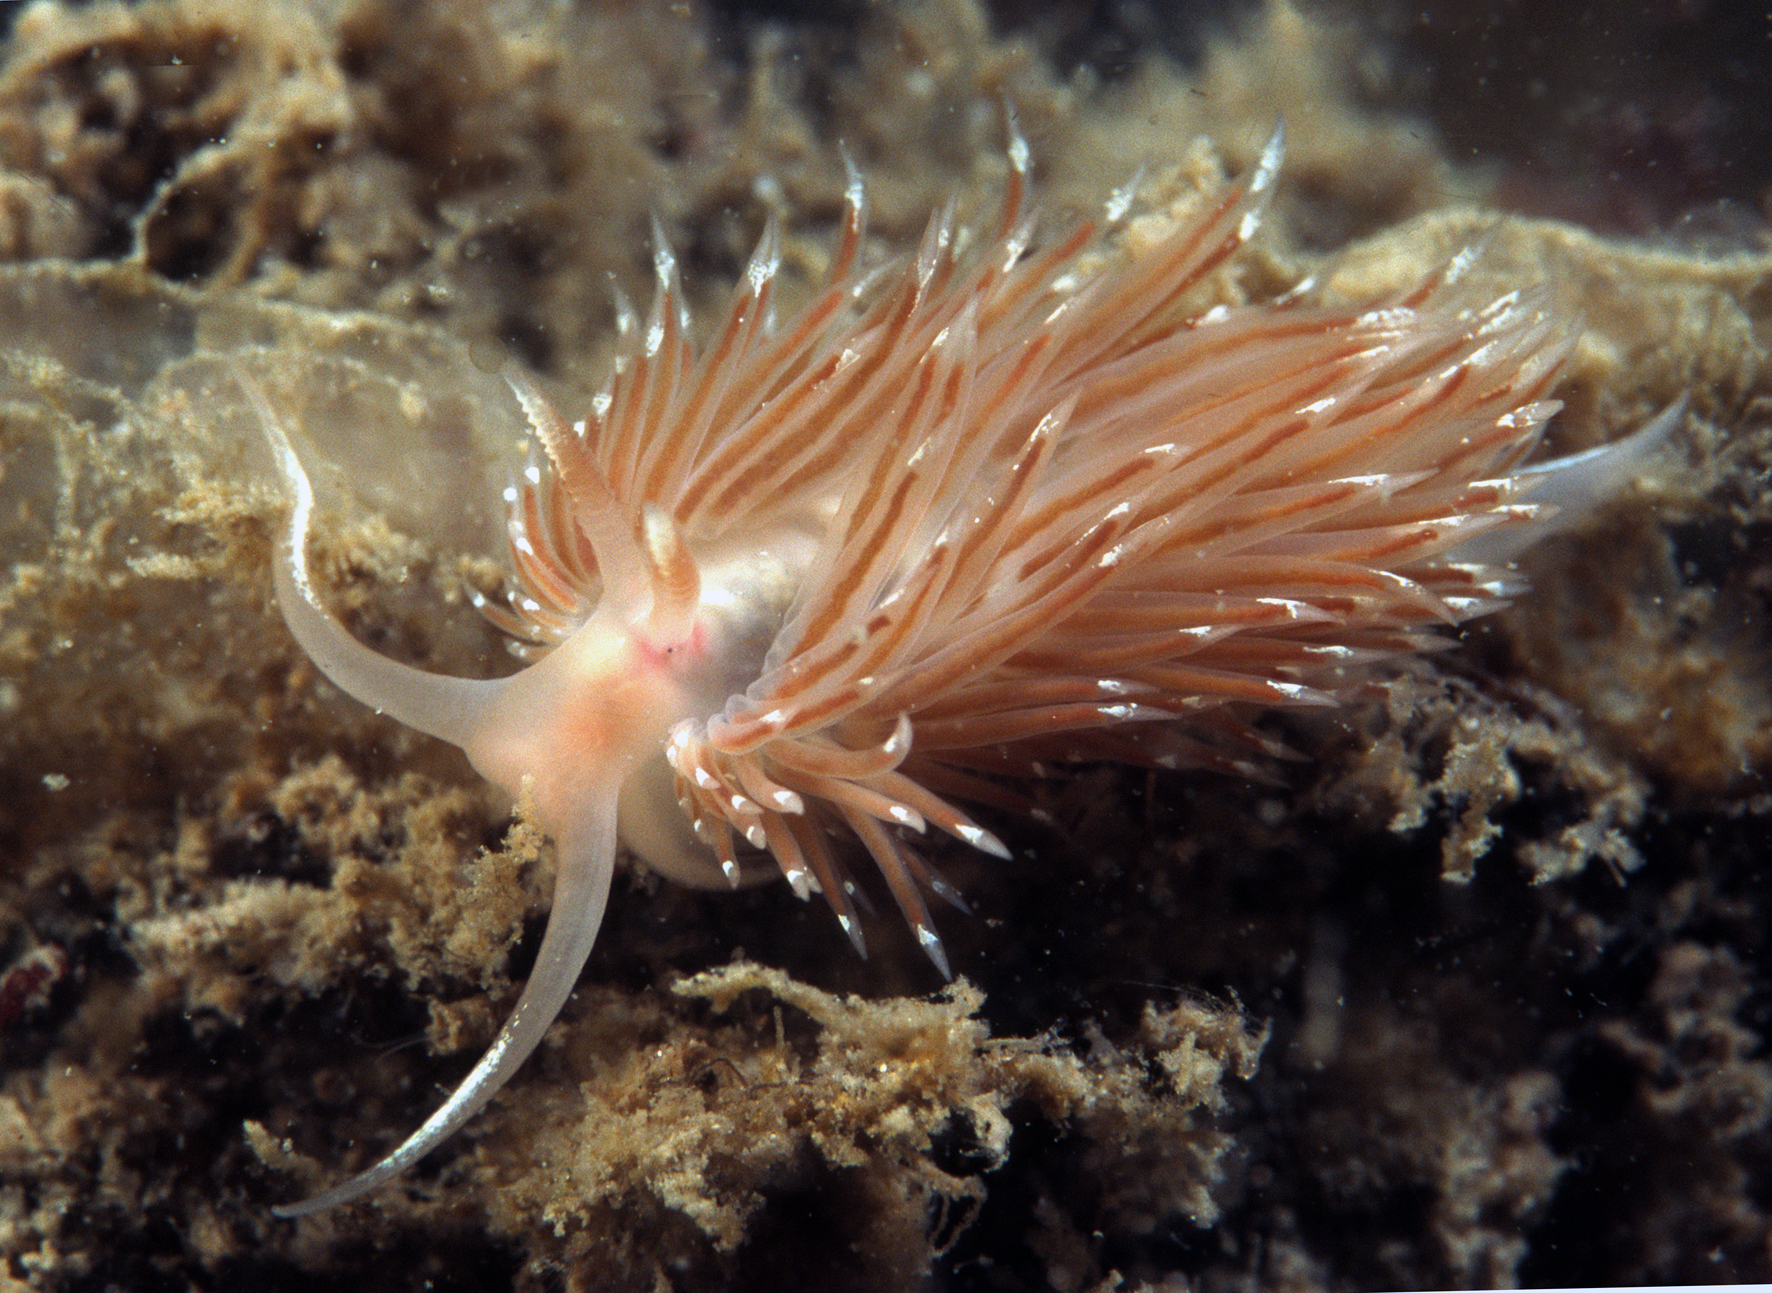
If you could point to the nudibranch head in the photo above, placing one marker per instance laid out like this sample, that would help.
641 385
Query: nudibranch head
999 505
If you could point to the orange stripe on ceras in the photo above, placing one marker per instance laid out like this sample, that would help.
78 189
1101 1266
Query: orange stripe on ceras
734 469
1138 279
674 445
1047 521
820 760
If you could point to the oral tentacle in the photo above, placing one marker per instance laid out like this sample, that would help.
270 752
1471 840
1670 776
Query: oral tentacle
436 704
586 865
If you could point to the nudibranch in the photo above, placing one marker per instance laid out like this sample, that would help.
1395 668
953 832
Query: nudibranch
998 505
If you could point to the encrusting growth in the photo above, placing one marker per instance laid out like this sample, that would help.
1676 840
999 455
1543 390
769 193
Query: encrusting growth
982 510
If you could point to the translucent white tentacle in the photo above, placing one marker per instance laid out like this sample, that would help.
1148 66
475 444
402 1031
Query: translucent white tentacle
445 707
581 891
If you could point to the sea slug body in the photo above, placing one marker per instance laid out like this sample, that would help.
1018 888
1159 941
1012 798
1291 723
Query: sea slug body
997 505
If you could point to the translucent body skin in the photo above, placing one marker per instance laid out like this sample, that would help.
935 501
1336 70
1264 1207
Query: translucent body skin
964 518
